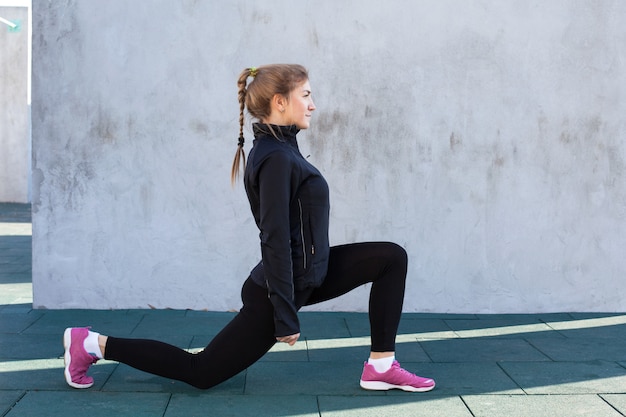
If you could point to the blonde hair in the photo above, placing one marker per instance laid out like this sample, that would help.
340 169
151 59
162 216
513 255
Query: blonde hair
256 96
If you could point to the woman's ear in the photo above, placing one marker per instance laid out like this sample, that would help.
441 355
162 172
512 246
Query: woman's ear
279 102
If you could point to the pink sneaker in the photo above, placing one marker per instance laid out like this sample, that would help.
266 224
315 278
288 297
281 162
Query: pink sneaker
77 360
395 377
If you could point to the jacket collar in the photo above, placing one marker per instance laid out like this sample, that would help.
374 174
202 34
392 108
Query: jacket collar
282 133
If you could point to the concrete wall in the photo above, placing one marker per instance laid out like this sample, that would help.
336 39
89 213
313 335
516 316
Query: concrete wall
487 137
15 145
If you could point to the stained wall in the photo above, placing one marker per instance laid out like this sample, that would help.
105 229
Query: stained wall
488 138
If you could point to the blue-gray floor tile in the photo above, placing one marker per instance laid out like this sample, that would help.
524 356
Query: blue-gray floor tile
153 325
581 349
90 403
108 322
220 318
411 352
305 378
594 315
442 316
18 242
24 308
185 405
406 404
425 329
595 377
17 322
526 317
358 324
483 349
31 346
465 378
539 405
8 399
317 325
14 266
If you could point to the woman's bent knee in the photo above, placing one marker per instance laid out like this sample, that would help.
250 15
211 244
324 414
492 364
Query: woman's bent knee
397 253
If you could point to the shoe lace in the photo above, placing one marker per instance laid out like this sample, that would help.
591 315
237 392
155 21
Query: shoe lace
406 373
402 370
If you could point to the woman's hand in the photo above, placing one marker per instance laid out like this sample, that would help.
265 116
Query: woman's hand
290 340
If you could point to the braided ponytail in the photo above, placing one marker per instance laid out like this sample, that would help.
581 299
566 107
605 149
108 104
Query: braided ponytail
240 154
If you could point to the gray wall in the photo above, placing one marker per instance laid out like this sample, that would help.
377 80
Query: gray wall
15 147
487 137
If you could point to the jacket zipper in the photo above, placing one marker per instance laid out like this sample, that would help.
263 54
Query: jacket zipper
302 233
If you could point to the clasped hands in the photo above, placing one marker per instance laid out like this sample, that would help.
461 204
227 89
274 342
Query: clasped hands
290 340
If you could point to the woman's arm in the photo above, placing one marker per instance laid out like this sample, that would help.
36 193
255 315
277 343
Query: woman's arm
275 179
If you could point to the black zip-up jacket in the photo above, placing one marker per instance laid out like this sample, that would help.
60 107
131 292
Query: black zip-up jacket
289 201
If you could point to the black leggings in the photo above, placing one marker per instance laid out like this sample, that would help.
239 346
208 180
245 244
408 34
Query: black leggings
250 334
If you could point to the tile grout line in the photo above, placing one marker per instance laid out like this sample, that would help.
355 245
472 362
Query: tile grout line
15 403
169 400
498 364
466 405
609 404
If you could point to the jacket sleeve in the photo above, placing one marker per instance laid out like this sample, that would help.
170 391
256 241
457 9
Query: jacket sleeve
274 179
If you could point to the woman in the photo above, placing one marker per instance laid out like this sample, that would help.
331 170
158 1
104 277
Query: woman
289 201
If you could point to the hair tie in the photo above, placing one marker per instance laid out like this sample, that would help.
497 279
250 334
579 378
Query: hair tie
241 141
253 71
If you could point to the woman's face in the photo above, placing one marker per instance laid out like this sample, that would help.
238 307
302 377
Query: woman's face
299 107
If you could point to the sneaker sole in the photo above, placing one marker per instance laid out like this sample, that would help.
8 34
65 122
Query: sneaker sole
384 386
67 359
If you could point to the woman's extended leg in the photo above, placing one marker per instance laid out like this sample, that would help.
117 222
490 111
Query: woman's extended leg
241 343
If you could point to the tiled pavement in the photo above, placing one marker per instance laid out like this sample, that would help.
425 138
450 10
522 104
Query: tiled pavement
540 365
